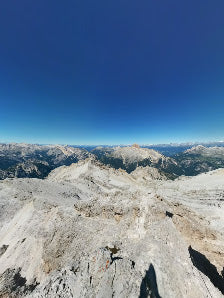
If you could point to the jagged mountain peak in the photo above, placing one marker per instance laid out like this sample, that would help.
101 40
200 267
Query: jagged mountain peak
135 145
195 149
136 153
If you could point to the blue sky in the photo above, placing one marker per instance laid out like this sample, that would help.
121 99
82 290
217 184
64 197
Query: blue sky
111 72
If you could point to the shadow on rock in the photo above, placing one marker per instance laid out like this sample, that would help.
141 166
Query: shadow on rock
202 263
149 286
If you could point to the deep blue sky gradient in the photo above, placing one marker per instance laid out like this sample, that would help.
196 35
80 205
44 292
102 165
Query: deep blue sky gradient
110 72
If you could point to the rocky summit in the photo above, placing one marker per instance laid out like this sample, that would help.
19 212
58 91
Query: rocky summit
89 230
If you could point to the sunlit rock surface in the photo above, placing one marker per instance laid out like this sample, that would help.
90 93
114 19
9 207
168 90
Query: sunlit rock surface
92 231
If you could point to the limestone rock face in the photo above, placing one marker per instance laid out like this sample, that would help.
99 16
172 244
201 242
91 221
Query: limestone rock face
148 174
135 146
129 158
88 230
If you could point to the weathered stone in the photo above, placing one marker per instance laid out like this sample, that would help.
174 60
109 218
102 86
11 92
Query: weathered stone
92 231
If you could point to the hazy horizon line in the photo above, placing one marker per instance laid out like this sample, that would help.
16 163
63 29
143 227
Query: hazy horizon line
116 144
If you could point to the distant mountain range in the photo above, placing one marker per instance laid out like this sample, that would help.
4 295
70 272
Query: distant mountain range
173 149
129 158
37 161
200 159
166 149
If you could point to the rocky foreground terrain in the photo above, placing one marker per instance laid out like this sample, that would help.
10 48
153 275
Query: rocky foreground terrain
89 230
